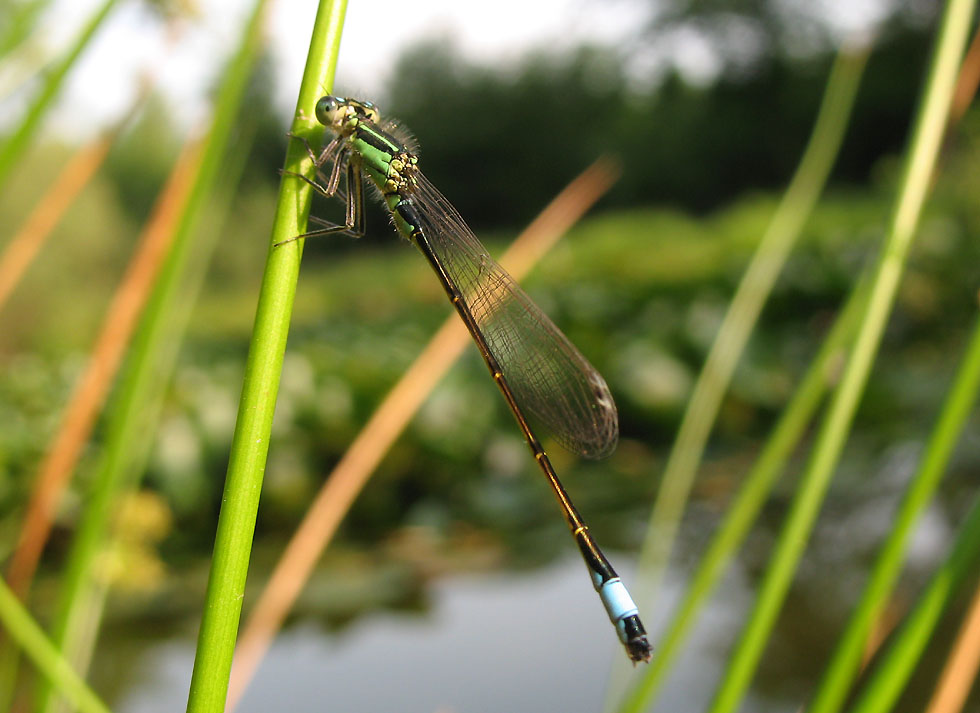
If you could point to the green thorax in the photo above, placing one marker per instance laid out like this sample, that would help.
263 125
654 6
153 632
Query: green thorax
387 160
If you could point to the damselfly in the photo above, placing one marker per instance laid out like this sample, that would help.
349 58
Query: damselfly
538 370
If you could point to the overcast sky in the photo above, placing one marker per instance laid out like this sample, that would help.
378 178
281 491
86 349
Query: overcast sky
375 33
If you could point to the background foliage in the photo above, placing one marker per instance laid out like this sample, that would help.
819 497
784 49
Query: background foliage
640 286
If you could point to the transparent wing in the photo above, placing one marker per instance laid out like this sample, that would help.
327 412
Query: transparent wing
548 376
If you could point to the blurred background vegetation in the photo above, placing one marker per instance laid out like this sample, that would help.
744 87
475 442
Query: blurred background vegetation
640 286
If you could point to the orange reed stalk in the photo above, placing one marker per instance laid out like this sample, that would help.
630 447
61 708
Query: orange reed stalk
966 84
89 394
24 246
78 171
960 671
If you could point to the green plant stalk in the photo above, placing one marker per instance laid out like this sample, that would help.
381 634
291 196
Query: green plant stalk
847 657
892 675
9 665
15 146
151 360
19 625
743 313
918 170
250 445
21 20
758 484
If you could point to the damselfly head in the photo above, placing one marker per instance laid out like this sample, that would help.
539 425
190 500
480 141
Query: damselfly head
334 112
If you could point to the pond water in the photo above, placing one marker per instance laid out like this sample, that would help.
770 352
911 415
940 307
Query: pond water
533 641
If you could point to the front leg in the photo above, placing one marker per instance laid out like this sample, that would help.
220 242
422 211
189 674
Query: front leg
354 220
333 153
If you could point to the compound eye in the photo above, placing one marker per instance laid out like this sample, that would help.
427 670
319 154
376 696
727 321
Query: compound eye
326 108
